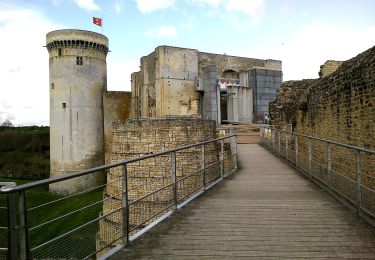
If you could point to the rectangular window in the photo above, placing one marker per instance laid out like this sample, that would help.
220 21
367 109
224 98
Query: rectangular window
79 60
59 52
52 86
63 105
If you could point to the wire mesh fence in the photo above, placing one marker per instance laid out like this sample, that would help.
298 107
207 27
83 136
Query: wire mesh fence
346 171
138 193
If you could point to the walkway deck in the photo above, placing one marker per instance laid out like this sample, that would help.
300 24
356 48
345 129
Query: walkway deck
266 210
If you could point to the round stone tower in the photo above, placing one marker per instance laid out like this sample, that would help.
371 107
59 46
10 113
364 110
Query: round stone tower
77 80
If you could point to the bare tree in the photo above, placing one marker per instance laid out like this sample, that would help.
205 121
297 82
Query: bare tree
7 123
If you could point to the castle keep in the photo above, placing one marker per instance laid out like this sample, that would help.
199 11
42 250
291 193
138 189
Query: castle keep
180 81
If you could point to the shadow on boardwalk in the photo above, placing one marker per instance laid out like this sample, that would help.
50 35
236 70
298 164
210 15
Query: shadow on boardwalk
264 210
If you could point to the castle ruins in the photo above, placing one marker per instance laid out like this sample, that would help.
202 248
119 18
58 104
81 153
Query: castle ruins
172 82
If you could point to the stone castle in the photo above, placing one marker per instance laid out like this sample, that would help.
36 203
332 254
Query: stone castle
178 97
172 82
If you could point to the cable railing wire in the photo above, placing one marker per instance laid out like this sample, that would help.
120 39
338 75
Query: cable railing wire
211 171
340 168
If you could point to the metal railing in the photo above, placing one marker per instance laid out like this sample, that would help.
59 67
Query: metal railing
89 224
347 172
4 223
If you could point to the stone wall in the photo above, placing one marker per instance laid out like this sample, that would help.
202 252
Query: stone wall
166 84
338 107
290 99
137 137
329 67
116 106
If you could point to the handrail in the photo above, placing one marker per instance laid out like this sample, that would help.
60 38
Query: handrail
7 184
19 245
325 140
327 174
23 187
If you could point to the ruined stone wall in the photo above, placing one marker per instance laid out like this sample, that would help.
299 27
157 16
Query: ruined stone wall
329 67
135 138
291 98
116 106
339 107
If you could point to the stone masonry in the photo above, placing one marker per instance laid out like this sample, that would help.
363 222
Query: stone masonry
329 67
339 107
175 81
137 137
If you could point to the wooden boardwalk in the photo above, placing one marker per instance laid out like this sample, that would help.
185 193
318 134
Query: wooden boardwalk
265 210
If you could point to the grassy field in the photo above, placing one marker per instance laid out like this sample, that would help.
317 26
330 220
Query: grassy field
75 242
24 152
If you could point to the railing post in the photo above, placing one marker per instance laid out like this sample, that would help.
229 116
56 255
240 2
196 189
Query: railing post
309 158
359 180
235 152
329 165
203 163
273 138
174 181
12 227
221 158
24 246
286 145
125 204
296 148
279 141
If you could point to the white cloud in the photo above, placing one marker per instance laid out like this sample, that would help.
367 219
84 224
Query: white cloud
163 32
88 5
57 2
24 66
248 7
214 3
117 8
303 53
241 14
119 73
148 6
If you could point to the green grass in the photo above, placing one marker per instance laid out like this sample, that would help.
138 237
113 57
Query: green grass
24 152
83 240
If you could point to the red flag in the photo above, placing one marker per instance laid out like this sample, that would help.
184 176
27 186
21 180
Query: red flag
97 21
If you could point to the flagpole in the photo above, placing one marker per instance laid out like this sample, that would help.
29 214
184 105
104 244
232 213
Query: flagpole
102 24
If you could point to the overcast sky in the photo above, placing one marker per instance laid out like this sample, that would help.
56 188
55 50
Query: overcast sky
303 34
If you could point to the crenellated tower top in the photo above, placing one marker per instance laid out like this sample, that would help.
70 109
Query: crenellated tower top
71 38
